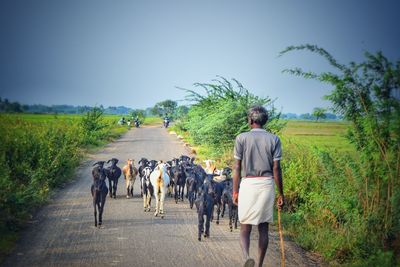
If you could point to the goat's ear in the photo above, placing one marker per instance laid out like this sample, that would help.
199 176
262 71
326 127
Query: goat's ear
108 161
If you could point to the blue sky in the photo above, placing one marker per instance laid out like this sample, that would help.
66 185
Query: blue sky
134 53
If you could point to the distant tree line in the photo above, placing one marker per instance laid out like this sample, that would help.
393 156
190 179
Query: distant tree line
310 116
15 107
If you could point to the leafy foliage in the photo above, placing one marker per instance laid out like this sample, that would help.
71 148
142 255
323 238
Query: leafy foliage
93 126
367 95
164 108
218 116
140 113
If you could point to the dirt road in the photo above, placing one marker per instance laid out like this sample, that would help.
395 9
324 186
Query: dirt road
62 233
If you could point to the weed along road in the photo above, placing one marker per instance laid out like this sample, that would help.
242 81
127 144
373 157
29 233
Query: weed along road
63 233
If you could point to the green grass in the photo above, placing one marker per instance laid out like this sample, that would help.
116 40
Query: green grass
325 134
152 121
37 154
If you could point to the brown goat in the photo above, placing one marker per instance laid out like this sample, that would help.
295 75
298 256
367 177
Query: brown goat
130 173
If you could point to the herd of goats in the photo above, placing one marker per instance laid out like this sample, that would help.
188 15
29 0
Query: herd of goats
161 179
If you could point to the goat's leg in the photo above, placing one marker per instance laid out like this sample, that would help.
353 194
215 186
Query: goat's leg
223 209
182 191
207 232
95 210
176 192
115 188
218 212
200 224
162 197
157 203
236 216
144 202
102 202
110 187
100 208
230 216
149 200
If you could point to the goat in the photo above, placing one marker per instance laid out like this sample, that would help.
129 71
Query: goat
99 191
216 193
159 179
113 173
130 173
205 207
153 164
232 208
148 189
210 166
143 162
179 178
170 172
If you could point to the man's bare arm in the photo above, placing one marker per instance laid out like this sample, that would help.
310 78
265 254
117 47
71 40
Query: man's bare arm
237 169
278 181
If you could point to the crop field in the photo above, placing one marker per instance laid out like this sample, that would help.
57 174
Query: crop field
324 134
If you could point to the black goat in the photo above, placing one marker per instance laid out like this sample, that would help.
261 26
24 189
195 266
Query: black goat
227 199
99 191
153 163
205 206
217 189
148 189
192 186
113 173
179 178
143 163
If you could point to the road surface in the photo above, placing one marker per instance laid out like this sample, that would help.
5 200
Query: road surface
63 234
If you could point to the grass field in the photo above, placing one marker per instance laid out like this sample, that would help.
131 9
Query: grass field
324 134
328 135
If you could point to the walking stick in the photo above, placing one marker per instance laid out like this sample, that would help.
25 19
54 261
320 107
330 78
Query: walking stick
281 238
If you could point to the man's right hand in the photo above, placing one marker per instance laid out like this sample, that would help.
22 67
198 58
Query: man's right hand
281 202
235 198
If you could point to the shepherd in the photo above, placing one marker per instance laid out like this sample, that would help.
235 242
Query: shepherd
257 167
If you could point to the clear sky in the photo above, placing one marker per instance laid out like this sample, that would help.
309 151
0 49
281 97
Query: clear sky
134 53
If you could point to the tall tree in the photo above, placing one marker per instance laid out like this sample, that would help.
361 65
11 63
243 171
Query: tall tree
166 107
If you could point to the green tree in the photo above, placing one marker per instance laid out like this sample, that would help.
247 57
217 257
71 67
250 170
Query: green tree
140 113
365 94
319 113
165 107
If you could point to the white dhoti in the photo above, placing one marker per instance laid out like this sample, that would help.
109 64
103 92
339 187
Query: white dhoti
256 200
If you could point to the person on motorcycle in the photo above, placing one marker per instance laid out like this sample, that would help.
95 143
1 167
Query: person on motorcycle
166 121
137 122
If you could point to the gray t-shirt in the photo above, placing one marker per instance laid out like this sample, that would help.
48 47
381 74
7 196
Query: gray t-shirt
257 149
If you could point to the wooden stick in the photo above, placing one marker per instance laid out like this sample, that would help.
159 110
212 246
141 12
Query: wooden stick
281 238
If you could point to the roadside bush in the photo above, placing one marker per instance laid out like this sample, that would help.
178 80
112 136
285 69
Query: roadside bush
366 94
216 118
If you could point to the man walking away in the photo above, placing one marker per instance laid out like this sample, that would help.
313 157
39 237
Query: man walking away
257 162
